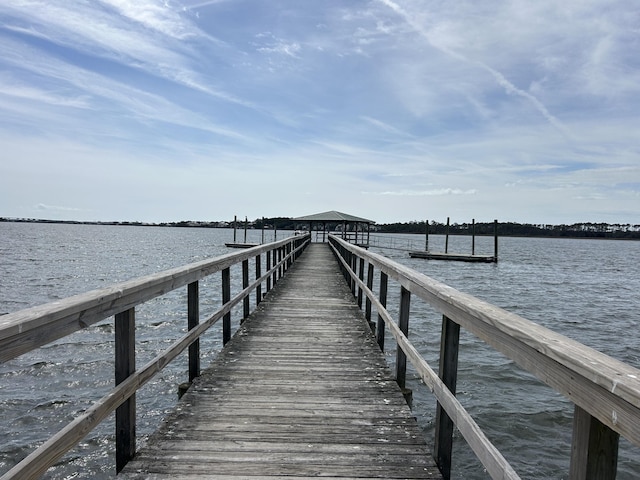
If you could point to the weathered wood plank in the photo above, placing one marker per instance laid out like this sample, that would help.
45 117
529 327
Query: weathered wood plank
301 390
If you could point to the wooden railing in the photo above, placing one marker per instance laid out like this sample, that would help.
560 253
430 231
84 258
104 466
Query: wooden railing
29 329
605 392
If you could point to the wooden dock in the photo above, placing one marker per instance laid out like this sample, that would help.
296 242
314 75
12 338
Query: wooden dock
302 390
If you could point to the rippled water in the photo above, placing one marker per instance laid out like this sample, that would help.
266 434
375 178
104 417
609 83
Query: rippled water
585 289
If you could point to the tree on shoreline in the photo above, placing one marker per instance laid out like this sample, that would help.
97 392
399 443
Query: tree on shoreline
505 229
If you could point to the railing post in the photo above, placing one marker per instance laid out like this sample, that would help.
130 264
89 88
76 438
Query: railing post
226 297
246 309
268 267
346 254
367 309
403 324
276 255
258 275
361 277
125 365
280 268
354 270
384 280
193 319
285 264
448 372
594 448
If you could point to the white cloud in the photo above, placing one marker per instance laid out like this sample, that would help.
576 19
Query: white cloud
96 90
376 104
156 16
384 126
450 47
15 89
428 193
57 208
159 49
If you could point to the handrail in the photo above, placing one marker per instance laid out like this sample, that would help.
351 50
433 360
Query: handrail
606 392
28 329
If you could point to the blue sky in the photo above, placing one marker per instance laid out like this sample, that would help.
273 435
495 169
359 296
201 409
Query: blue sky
394 110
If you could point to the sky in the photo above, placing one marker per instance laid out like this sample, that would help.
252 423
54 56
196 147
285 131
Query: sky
393 110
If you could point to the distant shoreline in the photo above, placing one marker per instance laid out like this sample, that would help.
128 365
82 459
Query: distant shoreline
603 231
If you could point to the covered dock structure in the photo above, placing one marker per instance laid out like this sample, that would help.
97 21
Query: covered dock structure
351 228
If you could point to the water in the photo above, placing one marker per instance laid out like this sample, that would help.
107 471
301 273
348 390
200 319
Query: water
585 289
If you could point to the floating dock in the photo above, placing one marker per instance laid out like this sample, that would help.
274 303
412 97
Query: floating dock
240 245
458 257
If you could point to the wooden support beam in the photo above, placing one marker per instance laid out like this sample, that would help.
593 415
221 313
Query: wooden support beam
403 324
226 296
448 373
594 448
354 268
125 365
246 308
473 236
446 238
495 239
382 297
258 275
361 277
268 268
367 310
193 319
426 235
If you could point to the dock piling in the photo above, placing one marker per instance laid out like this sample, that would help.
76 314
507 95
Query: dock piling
446 239
463 257
473 236
495 240
235 224
426 235
245 229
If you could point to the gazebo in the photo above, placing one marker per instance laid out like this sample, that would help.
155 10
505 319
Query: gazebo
349 225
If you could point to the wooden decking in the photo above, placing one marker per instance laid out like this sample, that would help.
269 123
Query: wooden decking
300 391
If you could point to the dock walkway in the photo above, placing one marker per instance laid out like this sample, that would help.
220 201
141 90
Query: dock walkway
302 390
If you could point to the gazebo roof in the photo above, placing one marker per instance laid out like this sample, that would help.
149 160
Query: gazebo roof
333 216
